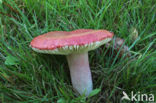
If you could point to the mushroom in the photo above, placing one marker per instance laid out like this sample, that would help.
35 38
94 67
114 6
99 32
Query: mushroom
75 45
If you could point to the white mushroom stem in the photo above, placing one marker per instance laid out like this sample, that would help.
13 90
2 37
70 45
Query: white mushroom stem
80 72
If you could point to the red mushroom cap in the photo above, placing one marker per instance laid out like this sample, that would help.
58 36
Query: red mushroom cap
61 40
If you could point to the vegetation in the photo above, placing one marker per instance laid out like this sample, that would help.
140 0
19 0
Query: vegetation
29 77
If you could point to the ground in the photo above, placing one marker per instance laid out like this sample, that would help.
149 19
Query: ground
30 77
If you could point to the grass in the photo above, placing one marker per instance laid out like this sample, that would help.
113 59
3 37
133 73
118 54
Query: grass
29 77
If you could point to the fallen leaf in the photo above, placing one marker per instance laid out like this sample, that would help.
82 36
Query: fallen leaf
133 33
117 44
11 60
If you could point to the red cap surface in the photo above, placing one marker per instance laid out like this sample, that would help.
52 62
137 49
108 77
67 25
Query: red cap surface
60 39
